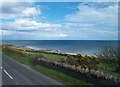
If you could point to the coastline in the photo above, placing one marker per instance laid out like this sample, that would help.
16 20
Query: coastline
43 49
90 52
84 47
34 49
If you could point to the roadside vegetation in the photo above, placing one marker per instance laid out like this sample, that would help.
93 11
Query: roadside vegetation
109 60
0 49
106 61
68 80
30 60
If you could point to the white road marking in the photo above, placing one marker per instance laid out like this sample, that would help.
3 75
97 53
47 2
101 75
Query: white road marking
22 64
25 66
8 74
28 67
1 67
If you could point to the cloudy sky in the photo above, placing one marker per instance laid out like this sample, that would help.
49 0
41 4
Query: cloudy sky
59 20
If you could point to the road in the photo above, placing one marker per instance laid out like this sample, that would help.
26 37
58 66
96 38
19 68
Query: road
15 73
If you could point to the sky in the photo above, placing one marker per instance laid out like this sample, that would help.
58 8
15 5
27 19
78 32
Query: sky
59 20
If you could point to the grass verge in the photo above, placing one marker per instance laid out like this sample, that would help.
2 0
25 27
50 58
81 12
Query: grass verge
60 76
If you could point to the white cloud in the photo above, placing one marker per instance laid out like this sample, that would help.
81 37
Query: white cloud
25 15
31 12
6 32
106 32
26 24
93 22
12 9
62 35
72 24
25 20
12 34
18 10
85 14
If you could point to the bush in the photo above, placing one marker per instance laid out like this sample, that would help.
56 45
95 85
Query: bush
63 60
109 53
34 59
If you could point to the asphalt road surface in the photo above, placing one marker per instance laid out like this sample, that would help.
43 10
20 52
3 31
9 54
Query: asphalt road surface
15 73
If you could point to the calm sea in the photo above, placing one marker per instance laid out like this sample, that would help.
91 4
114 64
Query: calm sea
85 47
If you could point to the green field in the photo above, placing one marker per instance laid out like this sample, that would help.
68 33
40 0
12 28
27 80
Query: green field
49 56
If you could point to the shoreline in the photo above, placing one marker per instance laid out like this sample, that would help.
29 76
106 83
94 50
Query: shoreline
46 50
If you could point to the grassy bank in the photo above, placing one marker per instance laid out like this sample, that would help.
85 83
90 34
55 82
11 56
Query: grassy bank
108 66
60 76
0 49
25 59
19 57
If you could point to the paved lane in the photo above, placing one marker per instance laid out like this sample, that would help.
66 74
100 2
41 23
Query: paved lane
15 73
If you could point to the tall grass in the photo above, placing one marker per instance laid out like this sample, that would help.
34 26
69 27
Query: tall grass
110 59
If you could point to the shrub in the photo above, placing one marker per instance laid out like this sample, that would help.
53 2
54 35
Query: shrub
109 53
63 60
34 61
79 55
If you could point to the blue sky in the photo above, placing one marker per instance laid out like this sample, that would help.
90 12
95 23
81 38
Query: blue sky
59 21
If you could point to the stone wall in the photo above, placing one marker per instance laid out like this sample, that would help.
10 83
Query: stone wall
74 72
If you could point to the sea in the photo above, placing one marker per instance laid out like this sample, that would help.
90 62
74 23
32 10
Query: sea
84 47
